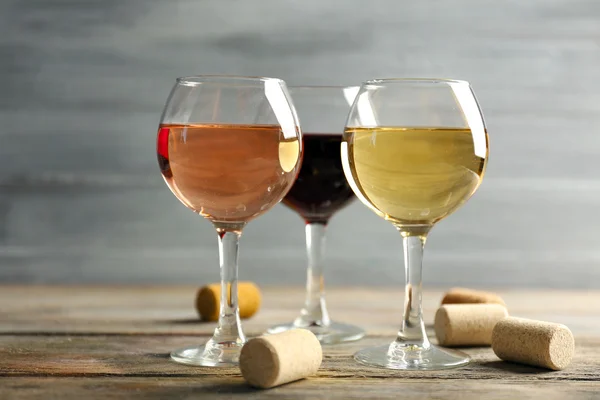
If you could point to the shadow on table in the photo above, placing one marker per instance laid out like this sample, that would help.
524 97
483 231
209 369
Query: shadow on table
163 356
225 390
514 368
228 387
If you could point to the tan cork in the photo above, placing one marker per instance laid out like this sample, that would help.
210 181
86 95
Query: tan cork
470 296
208 300
467 324
273 360
538 343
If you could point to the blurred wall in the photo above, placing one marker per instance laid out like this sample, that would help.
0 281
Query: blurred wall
83 83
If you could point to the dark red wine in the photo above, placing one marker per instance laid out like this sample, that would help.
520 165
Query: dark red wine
321 188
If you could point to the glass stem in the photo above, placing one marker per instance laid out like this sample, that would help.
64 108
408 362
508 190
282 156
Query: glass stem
315 309
229 329
412 332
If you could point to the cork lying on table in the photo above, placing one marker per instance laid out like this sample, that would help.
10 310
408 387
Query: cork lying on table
538 343
467 324
272 360
470 296
208 300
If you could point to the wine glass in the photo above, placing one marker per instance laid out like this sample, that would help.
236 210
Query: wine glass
229 148
319 192
414 151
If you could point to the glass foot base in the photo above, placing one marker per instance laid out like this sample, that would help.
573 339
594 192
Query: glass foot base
209 355
407 357
333 333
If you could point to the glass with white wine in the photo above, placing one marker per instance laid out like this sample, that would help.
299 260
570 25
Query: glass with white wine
414 151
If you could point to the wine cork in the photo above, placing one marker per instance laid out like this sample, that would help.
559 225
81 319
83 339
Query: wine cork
208 300
470 296
273 360
467 324
538 343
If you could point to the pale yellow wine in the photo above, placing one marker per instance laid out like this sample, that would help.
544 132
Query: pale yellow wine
414 176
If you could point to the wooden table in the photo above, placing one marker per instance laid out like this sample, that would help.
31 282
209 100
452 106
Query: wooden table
113 343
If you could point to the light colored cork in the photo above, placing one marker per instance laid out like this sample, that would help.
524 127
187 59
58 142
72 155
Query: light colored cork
208 300
272 360
470 296
467 324
538 343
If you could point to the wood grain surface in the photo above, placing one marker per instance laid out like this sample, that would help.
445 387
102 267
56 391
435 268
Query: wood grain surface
109 342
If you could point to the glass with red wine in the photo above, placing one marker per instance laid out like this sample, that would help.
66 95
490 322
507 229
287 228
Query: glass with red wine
320 190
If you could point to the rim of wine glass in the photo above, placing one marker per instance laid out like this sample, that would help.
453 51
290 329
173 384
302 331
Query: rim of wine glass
195 80
414 80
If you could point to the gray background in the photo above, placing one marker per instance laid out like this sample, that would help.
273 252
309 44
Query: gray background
83 82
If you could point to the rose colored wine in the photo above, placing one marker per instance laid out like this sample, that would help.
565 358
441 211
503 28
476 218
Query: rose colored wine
227 173
321 188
